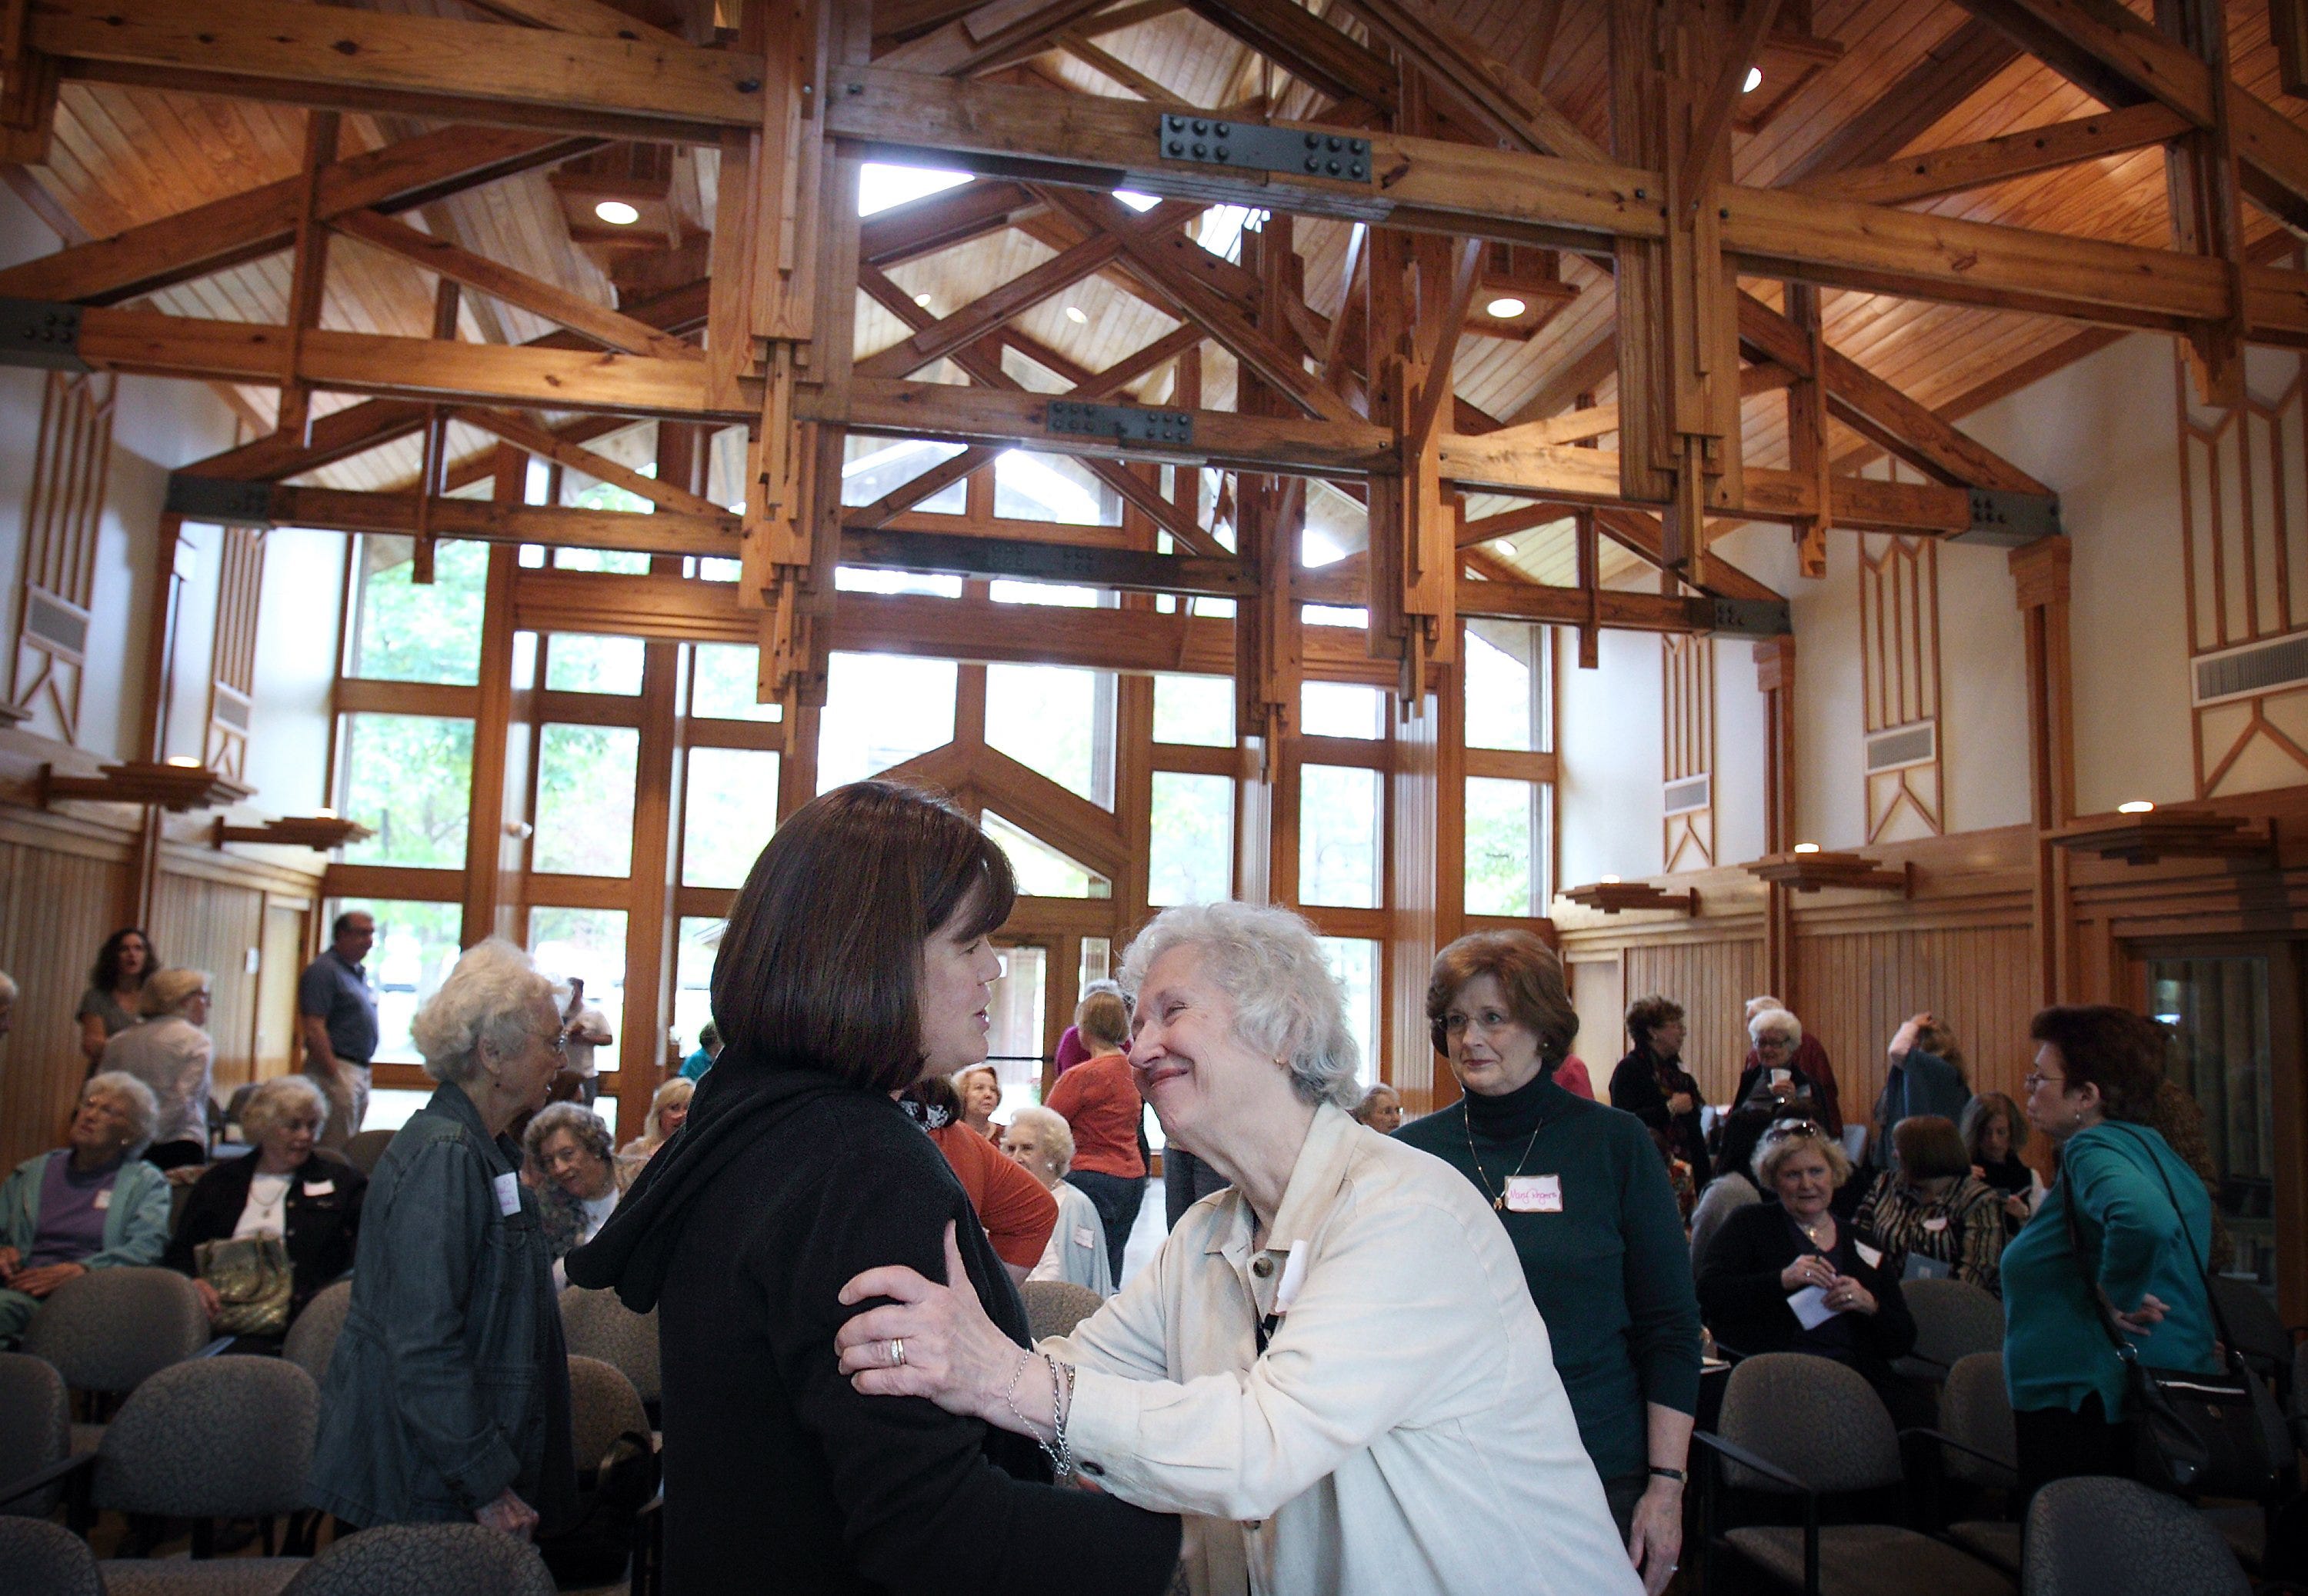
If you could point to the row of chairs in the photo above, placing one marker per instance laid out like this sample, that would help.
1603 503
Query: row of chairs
393 1560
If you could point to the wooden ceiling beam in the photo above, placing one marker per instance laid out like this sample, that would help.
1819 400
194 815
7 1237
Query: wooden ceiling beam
666 532
993 310
263 220
941 220
1956 168
1306 46
1476 89
545 445
581 16
987 36
1949 73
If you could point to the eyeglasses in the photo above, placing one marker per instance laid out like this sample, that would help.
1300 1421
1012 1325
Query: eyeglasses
1787 1129
2037 1077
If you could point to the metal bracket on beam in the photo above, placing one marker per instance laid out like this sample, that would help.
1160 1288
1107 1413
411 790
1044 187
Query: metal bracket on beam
1126 424
41 333
219 502
1258 147
1741 617
2008 520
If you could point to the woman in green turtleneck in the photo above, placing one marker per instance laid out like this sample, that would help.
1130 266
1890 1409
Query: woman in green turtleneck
1585 1199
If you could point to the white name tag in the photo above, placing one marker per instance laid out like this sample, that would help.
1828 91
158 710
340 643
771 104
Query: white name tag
1083 1237
508 1193
1935 1223
322 1188
1871 1257
1534 1193
103 1200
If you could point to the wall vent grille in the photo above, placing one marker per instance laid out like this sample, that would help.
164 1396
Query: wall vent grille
1902 746
2254 668
1684 797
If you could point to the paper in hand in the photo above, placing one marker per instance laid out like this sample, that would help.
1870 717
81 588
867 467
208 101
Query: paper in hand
1810 1306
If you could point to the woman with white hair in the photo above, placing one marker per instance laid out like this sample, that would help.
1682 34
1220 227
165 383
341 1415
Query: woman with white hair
1806 1062
1042 1143
170 1052
1334 1368
87 1206
448 1398
287 1190
568 1144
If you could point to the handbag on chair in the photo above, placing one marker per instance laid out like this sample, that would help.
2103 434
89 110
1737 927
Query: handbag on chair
254 1281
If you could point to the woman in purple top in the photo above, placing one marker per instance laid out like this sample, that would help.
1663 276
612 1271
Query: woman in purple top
84 1206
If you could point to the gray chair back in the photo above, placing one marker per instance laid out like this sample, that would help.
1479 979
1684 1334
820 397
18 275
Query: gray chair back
37 1556
602 1406
1724 1196
1054 1307
365 1149
595 1324
35 1430
111 1328
1976 1409
2094 1536
216 1438
1954 1318
1813 1418
2253 1327
425 1560
312 1338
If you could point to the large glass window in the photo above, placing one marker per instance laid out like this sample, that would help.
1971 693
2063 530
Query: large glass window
577 663
1342 710
1041 869
1051 487
1339 836
878 467
729 807
410 778
416 948
1014 1037
882 709
590 945
402 632
1355 962
585 778
725 683
693 978
1055 720
1503 823
1190 857
1196 709
1506 680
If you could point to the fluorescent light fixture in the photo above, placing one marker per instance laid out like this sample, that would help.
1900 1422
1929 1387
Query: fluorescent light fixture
1074 314
1506 307
1806 847
1754 81
616 213
2137 806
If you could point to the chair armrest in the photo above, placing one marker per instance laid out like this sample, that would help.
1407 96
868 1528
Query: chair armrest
1955 1446
33 1484
1748 1460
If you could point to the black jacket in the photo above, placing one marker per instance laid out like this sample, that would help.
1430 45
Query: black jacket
1635 1088
323 1212
1744 1302
781 1185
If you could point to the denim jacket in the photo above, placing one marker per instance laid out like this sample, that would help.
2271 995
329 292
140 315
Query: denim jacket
136 1222
450 1381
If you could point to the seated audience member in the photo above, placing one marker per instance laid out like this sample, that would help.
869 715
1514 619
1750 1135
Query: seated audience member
1071 1048
2146 1223
1018 1216
1405 1430
1994 1131
1926 1078
170 1052
87 1206
1785 1276
1100 1102
668 1107
309 1201
1652 1084
109 1005
709 1048
569 1144
1573 1078
980 1092
1380 1109
1771 1082
1809 1063
1186 1181
1931 1207
1043 1145
1734 1185
447 1400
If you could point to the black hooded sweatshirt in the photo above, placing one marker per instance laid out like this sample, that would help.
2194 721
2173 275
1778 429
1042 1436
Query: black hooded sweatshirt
778 1476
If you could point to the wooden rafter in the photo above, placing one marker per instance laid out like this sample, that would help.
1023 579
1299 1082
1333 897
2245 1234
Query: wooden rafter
545 445
1954 169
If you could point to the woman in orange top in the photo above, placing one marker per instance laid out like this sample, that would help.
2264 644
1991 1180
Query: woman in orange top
1098 1098
1017 1213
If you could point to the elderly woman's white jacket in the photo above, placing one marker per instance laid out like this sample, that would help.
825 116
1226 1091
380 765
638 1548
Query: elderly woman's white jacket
1405 1430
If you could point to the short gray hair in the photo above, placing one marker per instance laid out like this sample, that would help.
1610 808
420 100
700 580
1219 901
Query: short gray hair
1287 1003
580 1122
1774 1022
1057 1136
166 991
269 1102
144 1108
486 998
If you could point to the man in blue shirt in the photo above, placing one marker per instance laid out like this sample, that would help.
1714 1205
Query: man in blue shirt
337 1013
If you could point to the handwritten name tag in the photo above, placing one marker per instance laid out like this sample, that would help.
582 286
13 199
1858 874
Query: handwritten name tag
1534 1193
103 1200
508 1193
1083 1237
321 1188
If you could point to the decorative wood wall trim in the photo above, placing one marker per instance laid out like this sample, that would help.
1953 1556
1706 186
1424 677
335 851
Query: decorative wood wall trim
1900 684
2244 526
232 660
1687 749
63 507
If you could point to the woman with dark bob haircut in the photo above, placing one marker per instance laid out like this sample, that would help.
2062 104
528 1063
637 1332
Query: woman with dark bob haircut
2145 1223
855 964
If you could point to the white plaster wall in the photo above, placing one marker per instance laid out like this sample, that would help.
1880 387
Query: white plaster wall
1607 730
295 670
1739 742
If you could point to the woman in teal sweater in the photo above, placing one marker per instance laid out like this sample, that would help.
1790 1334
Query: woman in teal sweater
1584 1195
2144 1221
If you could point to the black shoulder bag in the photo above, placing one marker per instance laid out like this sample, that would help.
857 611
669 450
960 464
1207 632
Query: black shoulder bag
2193 1434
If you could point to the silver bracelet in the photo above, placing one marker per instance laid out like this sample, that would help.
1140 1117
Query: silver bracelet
1009 1397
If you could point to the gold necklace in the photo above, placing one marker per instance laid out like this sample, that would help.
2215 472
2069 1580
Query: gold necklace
1499 1199
1811 1232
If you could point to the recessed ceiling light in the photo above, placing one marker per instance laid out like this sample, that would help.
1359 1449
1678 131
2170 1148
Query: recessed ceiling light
2137 806
1504 545
183 761
922 299
1806 847
1506 307
616 213
1754 81
1074 314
